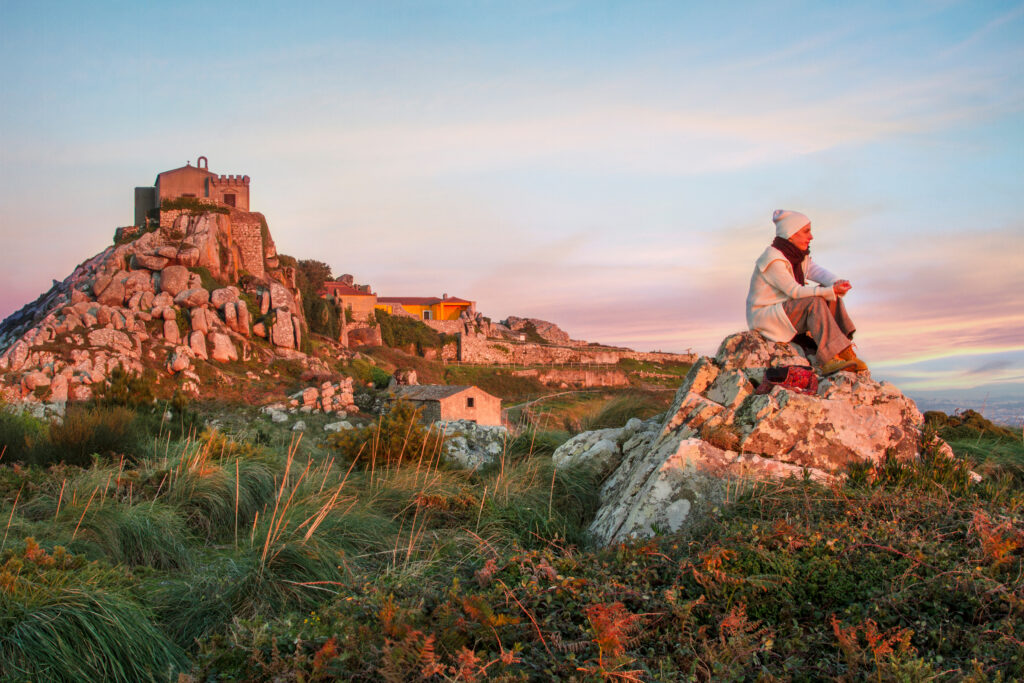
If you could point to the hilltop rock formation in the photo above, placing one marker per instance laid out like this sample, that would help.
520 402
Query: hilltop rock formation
166 297
548 331
658 473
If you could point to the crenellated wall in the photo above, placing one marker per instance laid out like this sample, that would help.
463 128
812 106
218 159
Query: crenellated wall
231 190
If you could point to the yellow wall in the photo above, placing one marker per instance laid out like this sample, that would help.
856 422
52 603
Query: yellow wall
362 306
448 311
442 311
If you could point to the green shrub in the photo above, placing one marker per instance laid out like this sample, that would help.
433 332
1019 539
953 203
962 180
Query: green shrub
306 343
193 205
530 331
209 281
364 371
19 435
251 304
86 431
322 316
381 378
399 332
397 437
122 388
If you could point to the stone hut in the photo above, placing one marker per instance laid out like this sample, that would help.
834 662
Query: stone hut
192 181
443 402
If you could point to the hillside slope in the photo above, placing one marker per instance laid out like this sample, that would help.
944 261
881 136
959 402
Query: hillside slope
203 286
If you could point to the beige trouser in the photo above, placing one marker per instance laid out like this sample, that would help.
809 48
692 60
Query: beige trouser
826 322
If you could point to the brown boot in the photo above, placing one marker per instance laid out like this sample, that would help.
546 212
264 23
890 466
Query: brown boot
835 365
849 354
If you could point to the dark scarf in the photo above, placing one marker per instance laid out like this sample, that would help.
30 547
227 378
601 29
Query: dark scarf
793 255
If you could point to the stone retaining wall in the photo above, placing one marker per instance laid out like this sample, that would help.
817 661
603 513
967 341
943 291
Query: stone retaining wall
660 357
577 378
505 352
246 231
446 326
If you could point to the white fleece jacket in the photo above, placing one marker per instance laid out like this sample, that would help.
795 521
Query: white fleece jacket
773 283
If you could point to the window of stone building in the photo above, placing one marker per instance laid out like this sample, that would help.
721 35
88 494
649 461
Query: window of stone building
229 199
470 402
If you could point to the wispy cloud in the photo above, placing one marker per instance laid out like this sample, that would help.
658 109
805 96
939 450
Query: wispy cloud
990 367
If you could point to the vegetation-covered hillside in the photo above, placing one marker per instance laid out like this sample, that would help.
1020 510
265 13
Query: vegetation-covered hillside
249 553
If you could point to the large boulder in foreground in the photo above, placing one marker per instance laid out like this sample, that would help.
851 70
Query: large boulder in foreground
658 474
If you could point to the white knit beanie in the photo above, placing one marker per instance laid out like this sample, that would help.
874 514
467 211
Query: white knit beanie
788 223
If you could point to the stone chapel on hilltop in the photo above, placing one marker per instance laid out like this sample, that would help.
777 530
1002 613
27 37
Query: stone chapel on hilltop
192 181
245 231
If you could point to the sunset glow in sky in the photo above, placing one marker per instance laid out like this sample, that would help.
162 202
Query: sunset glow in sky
609 166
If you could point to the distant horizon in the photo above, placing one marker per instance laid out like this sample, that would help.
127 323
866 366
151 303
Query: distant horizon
611 167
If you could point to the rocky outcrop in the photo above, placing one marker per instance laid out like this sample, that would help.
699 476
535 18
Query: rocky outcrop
603 449
282 333
173 279
327 397
470 445
404 377
547 331
223 350
142 302
718 427
364 336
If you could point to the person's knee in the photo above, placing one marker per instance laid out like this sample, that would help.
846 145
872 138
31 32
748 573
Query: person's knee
819 304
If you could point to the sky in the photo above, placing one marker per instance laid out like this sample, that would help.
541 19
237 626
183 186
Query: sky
609 166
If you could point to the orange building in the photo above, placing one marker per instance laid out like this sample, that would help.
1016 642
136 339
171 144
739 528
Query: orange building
361 301
426 307
444 402
192 181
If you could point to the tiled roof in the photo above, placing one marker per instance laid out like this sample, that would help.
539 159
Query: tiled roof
420 300
342 289
411 300
428 392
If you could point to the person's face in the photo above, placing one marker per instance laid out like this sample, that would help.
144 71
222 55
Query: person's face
801 239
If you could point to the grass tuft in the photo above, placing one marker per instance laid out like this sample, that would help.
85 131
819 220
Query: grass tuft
54 630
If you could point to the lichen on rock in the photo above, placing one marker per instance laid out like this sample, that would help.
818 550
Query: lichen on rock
718 428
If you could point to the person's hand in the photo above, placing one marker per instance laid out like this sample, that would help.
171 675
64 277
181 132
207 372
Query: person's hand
841 287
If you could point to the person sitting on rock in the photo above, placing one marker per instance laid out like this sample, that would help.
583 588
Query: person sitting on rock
782 304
